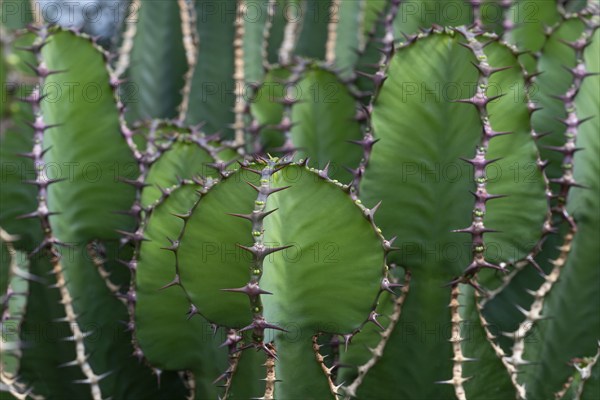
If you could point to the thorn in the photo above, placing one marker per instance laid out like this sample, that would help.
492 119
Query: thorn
132 236
488 71
373 210
158 373
373 318
44 182
135 183
173 247
388 286
480 163
325 171
262 324
232 340
39 125
175 282
261 251
539 269
93 380
192 311
37 214
251 289
347 340
255 216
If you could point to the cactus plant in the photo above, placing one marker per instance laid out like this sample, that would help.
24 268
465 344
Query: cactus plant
302 199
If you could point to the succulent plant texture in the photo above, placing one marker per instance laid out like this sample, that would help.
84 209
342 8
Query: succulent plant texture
301 199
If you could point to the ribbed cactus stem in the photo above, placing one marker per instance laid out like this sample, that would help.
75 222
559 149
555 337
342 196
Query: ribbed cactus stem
547 227
253 126
271 4
115 83
378 78
270 378
187 13
143 213
289 100
78 337
492 340
49 242
327 371
260 251
238 73
124 52
234 358
456 339
205 186
332 31
480 100
291 33
16 292
572 122
42 181
135 238
350 391
99 261
534 313
13 269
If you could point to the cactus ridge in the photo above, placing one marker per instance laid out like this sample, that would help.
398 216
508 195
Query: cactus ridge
457 371
549 226
377 353
327 371
14 303
572 121
50 242
259 251
190 43
477 229
162 137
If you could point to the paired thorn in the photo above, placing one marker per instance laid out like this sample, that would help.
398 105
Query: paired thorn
251 289
389 286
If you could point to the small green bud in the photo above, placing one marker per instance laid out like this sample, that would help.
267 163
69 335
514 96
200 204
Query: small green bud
256 233
478 213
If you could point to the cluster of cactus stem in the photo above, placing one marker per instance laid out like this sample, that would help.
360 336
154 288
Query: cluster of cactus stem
229 201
